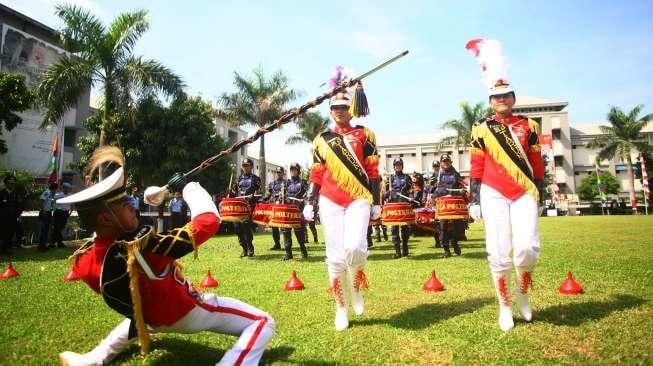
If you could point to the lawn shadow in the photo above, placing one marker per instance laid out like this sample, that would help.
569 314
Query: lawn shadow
381 256
425 315
577 313
428 256
467 244
474 255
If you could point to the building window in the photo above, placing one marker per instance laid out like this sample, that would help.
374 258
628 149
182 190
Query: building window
69 137
423 154
573 147
558 161
413 154
555 133
401 155
576 173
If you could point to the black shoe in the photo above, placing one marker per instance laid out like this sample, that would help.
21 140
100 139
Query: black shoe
42 248
304 252
61 245
438 245
287 257
404 249
447 253
456 249
250 251
276 247
244 253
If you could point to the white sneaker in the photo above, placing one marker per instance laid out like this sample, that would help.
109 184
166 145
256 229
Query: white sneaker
76 359
502 286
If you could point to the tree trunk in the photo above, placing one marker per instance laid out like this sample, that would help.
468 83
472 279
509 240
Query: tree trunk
261 163
631 181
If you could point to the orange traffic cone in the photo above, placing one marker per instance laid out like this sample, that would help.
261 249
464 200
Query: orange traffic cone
433 284
570 286
294 284
71 276
10 272
209 281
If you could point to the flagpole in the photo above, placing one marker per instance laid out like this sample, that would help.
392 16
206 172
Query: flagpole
61 148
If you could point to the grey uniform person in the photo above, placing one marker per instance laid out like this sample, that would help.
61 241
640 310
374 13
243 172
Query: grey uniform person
295 191
400 185
273 196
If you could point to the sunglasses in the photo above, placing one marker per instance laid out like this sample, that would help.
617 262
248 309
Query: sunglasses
339 108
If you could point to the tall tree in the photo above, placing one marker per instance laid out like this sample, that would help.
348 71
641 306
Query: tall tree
588 189
101 57
310 125
463 126
159 141
622 138
257 102
14 97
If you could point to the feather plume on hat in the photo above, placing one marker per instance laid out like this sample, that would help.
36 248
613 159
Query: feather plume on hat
354 96
494 66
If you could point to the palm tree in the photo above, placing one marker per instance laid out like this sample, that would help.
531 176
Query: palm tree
310 126
463 126
621 138
257 102
101 57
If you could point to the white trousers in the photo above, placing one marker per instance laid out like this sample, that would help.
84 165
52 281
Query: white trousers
345 234
510 225
217 314
225 315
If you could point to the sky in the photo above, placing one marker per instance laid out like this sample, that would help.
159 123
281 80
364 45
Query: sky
592 54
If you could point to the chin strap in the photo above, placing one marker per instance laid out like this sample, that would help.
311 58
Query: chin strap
311 193
375 187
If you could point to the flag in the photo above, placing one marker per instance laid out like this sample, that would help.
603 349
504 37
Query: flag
52 169
599 184
647 192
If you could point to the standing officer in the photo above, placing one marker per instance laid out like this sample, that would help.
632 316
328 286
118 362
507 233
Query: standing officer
247 187
400 185
295 192
274 196
448 180
10 210
45 215
60 217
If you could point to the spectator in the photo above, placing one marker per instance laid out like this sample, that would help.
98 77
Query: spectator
45 214
60 217
178 210
135 200
10 210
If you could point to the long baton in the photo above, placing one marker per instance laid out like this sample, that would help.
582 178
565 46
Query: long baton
154 195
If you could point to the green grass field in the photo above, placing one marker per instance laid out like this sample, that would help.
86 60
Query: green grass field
611 323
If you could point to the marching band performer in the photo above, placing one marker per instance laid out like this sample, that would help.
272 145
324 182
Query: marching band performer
449 230
295 190
274 196
247 187
506 174
345 179
430 197
401 184
136 271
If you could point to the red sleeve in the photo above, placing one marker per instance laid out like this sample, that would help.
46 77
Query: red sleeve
477 152
317 172
534 153
203 227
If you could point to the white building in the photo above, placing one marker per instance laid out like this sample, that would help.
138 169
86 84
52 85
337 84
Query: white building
230 135
28 47
569 158
270 168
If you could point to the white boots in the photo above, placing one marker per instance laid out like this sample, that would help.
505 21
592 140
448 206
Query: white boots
523 282
109 348
502 286
337 280
501 283
356 282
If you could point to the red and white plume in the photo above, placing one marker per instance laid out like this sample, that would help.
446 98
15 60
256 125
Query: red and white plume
494 66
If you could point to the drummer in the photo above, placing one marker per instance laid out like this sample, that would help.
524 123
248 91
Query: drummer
274 196
449 183
295 192
247 187
430 197
400 190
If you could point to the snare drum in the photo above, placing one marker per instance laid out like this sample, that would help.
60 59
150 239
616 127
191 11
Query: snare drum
261 214
425 219
451 208
285 216
397 214
234 210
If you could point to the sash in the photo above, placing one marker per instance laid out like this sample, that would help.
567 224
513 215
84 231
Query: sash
510 147
343 164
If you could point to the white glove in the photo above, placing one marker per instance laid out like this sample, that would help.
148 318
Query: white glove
199 200
475 211
375 212
308 213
